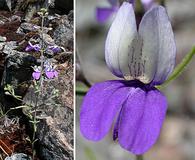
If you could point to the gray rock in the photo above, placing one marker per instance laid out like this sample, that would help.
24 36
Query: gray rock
64 5
15 18
19 156
27 27
2 4
1 45
18 70
63 34
1 22
2 39
8 47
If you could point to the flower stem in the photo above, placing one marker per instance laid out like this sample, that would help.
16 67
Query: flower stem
179 68
162 2
42 53
139 157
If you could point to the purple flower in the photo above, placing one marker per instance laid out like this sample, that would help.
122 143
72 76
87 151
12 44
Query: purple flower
144 58
54 49
32 47
51 74
103 13
50 71
37 72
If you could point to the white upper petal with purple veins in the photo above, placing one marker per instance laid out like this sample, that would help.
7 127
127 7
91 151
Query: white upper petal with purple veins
121 35
147 55
158 44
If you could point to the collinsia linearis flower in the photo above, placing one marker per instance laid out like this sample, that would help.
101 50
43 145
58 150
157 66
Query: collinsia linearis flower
37 48
143 58
54 49
50 70
103 13
37 72
52 73
32 47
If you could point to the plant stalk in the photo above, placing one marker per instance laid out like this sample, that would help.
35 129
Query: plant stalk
139 157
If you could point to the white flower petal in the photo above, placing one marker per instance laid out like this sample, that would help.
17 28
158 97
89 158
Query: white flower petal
119 41
159 48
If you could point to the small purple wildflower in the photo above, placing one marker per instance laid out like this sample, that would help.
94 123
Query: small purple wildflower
50 71
51 74
32 47
37 72
144 58
54 49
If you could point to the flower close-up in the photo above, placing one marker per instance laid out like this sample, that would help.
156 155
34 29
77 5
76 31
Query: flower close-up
143 58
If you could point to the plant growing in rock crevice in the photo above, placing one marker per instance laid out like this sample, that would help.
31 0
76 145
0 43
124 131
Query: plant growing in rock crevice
41 73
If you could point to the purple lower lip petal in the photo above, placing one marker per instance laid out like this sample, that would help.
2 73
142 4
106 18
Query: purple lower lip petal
36 75
31 47
37 48
28 48
49 74
146 112
99 108
55 49
142 112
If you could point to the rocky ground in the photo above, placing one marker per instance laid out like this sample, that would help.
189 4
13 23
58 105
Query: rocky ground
19 24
